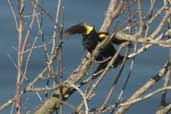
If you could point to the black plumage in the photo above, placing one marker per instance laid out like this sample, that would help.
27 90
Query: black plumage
90 40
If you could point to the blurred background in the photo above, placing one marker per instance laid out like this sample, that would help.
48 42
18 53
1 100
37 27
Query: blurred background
75 11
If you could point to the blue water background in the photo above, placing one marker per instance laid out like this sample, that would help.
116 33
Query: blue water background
76 11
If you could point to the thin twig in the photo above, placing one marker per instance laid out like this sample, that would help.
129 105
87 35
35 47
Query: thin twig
83 96
13 12
144 88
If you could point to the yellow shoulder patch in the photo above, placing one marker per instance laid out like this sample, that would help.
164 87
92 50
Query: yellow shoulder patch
89 29
103 36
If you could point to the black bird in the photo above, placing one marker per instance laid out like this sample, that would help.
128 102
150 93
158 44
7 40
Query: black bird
90 40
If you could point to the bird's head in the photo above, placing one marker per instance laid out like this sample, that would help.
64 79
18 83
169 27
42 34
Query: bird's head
82 28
